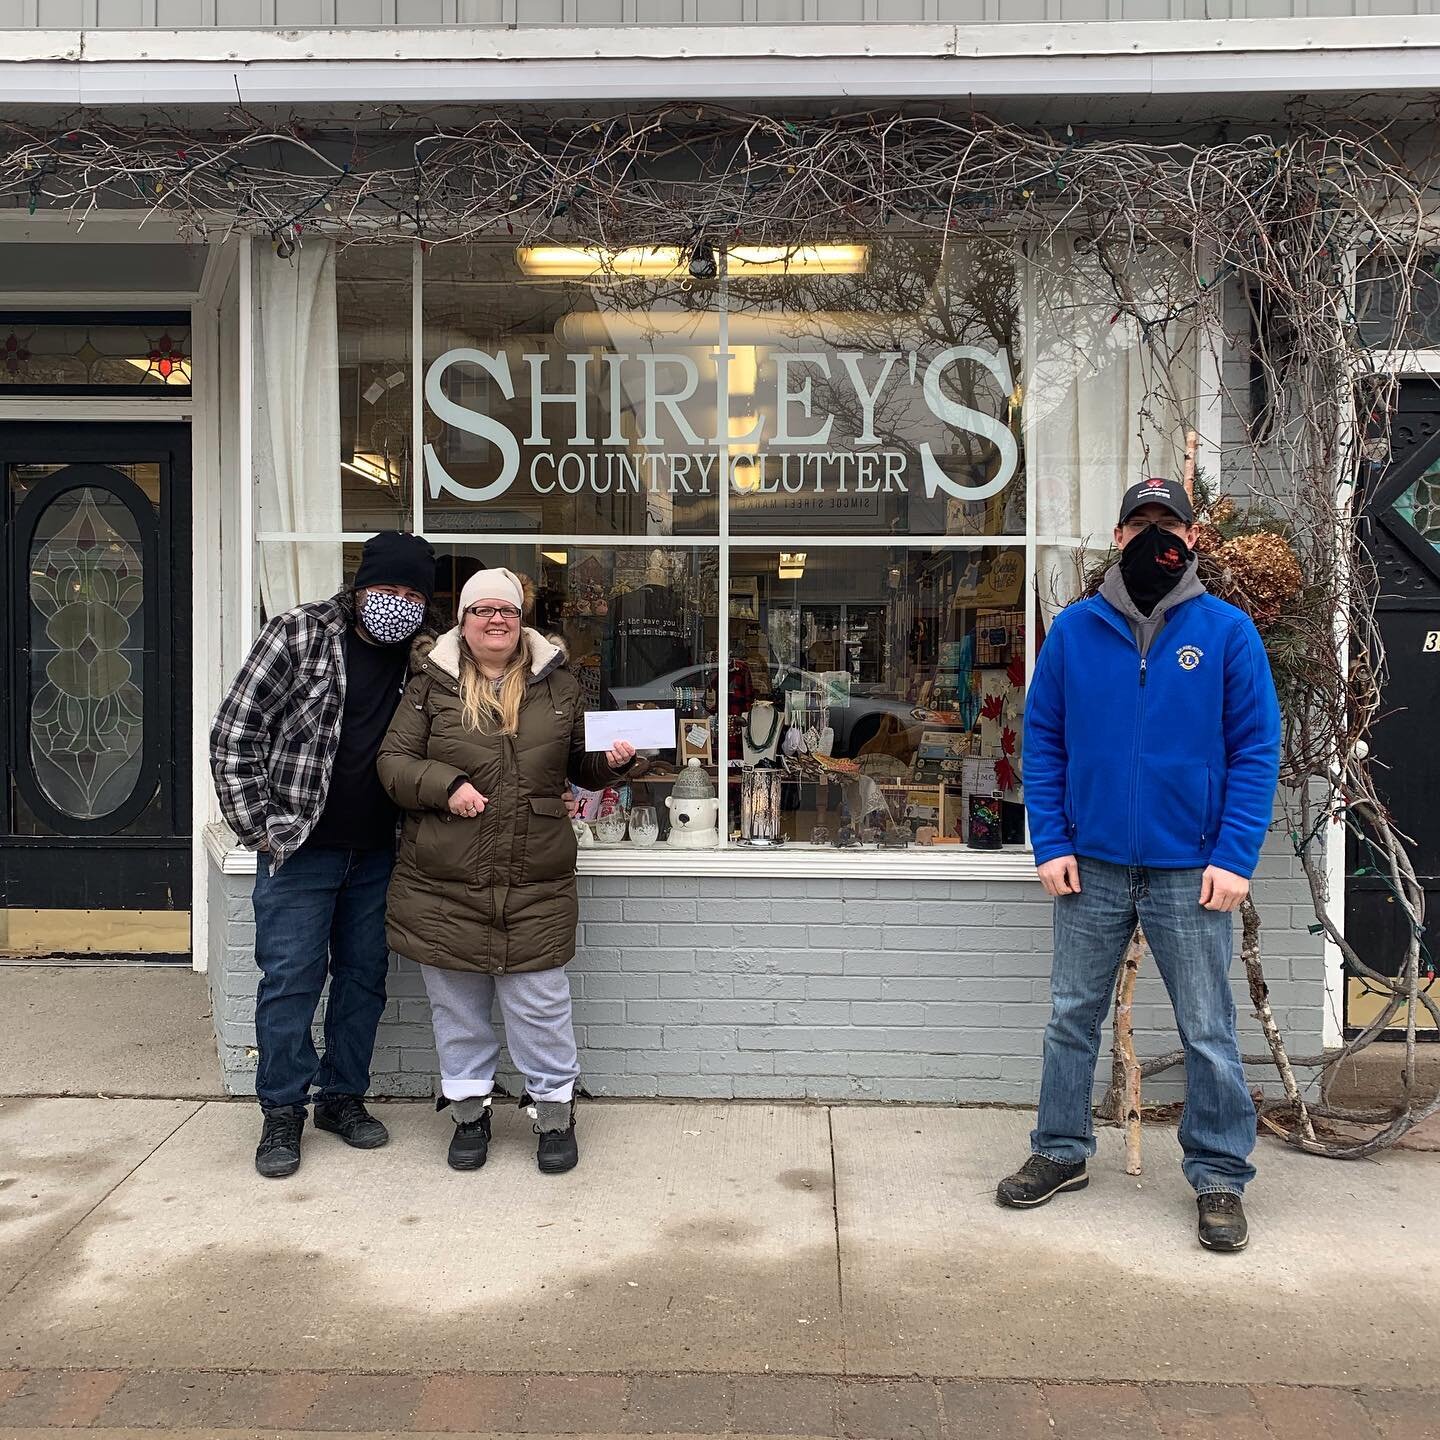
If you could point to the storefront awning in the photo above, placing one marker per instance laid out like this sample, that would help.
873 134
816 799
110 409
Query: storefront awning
1339 55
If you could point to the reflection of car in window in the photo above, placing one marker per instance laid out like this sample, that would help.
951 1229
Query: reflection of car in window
854 724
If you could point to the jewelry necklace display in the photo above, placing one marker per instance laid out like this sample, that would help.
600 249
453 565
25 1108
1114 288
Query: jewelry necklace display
758 748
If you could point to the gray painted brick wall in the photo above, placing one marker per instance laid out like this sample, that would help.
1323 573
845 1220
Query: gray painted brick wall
824 989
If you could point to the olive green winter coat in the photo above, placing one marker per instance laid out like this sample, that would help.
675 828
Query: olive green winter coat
495 892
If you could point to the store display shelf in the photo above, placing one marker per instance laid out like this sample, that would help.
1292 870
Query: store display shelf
798 860
795 860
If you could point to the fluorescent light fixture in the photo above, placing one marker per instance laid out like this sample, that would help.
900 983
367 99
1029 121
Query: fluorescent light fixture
590 262
560 557
593 262
369 466
748 260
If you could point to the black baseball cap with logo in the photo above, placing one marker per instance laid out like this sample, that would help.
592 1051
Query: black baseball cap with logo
1158 491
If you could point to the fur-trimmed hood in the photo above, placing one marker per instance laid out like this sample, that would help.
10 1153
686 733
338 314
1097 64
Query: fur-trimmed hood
546 655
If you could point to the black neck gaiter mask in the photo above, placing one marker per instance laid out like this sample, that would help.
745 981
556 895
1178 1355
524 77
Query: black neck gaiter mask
1152 565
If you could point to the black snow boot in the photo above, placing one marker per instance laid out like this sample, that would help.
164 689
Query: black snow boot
470 1144
555 1125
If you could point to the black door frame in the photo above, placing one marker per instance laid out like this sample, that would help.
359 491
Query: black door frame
93 445
1382 530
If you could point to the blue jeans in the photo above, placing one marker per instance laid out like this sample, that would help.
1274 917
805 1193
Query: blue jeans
1192 948
322 913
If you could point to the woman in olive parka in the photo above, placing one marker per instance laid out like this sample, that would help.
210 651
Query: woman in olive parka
483 894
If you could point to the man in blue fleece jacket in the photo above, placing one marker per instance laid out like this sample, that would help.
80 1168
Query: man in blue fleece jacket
1152 750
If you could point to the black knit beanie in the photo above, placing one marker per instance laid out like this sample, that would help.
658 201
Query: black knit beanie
395 558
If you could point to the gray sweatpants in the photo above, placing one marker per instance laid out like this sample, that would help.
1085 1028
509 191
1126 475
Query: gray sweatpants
539 1030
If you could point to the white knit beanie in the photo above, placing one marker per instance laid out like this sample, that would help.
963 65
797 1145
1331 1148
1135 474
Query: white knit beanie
492 585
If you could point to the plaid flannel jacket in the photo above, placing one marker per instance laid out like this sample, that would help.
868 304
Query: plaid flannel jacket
273 743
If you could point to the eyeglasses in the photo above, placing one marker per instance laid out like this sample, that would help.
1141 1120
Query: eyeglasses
489 612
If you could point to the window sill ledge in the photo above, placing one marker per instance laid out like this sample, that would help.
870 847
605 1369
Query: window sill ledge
946 862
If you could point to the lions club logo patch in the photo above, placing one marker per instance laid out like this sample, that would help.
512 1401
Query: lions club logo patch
1190 656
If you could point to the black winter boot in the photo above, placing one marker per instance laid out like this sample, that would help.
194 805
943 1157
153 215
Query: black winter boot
347 1117
470 1144
1038 1180
278 1153
555 1125
1222 1220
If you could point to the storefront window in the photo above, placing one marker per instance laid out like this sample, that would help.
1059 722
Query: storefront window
566 397
1384 292
875 390
885 685
373 305
814 503
639 625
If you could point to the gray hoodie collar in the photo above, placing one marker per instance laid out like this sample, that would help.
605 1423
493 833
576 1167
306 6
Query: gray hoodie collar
1146 627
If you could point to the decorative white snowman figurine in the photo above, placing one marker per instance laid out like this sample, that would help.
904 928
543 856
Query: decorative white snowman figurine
694 810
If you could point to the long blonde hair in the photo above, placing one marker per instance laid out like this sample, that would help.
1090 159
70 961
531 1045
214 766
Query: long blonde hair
486 706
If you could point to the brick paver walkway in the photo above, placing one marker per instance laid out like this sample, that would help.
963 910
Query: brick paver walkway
41 1402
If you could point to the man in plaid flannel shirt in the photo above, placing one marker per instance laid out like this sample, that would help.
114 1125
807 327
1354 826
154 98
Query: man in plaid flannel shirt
292 751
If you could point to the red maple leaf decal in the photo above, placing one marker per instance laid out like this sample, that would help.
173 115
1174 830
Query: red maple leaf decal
1005 776
1016 673
1007 741
991 708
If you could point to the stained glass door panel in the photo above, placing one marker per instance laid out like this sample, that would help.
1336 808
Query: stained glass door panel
1419 505
87 653
97 625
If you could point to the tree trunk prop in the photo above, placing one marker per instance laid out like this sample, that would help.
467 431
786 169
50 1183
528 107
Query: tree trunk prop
1125 1066
1260 1001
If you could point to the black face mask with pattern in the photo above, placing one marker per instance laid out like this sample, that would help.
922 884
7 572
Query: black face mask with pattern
390 619
1152 565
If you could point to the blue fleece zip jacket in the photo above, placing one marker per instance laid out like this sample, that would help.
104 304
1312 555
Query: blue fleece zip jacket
1167 758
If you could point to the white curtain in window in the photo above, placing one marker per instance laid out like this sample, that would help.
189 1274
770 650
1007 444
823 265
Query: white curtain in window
297 422
1108 406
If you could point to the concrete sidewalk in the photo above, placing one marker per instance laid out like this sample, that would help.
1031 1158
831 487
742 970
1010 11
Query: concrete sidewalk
710 1269
725 1239
76 1029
